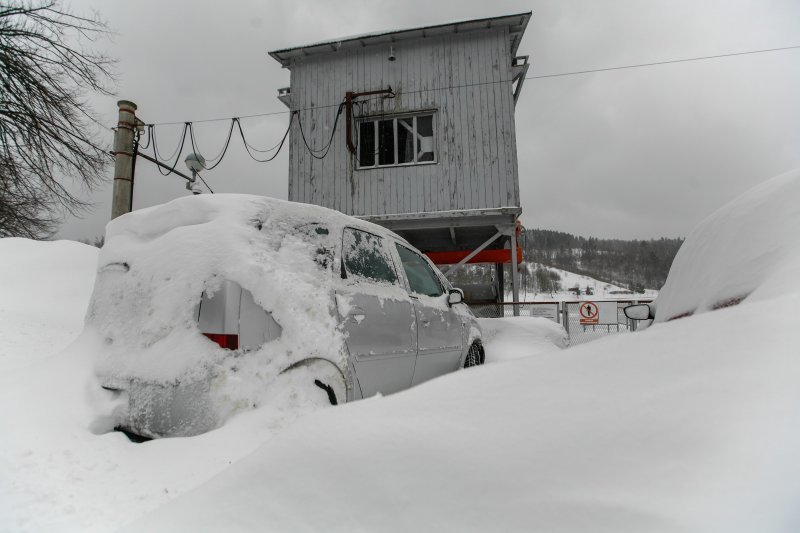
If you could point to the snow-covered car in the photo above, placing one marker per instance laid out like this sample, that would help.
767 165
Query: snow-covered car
204 303
727 258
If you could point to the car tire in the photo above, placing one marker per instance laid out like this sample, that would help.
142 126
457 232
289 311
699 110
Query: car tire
475 355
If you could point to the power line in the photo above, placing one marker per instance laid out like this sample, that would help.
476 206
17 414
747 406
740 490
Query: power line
701 58
327 146
221 119
204 183
314 152
466 85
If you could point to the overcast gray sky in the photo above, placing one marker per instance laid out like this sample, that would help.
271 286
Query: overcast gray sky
637 153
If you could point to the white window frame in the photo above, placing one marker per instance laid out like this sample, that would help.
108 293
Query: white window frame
375 119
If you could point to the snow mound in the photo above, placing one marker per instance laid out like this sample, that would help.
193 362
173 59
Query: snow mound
691 425
749 249
45 291
510 338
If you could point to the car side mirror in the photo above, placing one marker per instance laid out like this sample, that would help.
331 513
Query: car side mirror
455 296
638 312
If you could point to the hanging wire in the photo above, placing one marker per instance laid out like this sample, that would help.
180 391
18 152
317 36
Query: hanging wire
265 150
324 150
221 155
280 145
149 139
179 151
152 130
328 145
196 146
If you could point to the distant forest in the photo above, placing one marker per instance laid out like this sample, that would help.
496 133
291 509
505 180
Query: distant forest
634 265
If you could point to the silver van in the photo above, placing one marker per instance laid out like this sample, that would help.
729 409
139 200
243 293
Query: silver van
401 321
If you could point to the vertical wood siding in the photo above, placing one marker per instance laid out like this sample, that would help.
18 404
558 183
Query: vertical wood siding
465 78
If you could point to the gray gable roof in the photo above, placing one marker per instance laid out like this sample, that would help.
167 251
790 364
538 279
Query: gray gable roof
516 28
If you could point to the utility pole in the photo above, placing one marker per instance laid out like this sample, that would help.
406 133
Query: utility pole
122 200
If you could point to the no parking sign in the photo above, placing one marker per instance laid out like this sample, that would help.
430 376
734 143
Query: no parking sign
597 313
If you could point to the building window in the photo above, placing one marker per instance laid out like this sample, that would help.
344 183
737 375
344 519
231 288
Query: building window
400 140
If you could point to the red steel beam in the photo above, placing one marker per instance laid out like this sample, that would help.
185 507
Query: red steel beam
484 256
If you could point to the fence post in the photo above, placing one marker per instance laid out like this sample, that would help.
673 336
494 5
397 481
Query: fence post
566 316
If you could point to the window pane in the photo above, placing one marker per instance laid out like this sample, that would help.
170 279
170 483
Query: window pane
386 142
366 257
366 144
405 140
421 278
425 138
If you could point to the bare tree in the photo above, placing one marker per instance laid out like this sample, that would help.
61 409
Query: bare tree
46 125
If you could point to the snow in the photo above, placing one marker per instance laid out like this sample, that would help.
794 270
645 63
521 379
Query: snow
737 250
690 425
37 278
511 338
679 428
600 289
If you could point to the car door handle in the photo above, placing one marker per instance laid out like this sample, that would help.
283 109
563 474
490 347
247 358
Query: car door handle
356 313
425 322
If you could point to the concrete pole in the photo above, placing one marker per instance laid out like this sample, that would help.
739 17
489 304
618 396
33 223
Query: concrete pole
123 156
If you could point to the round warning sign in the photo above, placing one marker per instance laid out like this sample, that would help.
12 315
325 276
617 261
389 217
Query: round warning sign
589 313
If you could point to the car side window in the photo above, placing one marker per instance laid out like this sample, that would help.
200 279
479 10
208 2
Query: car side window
365 256
421 277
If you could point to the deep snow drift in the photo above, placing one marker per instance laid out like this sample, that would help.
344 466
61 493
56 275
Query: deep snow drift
690 425
45 290
55 474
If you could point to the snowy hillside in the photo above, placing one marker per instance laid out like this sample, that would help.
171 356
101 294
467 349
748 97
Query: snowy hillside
600 290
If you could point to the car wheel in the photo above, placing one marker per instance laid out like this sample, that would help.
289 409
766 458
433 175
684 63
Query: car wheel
321 378
475 356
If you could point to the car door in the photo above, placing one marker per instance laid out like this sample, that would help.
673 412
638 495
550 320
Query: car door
439 326
377 314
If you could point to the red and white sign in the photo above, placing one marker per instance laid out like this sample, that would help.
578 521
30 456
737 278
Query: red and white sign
591 313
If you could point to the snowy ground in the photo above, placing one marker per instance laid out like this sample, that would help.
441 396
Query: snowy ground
55 474
689 425
43 297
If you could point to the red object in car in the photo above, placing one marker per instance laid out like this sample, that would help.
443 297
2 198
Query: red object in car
229 342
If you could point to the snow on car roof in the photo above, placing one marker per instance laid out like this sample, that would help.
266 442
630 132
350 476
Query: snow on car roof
241 208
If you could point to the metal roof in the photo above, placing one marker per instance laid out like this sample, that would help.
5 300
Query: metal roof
516 28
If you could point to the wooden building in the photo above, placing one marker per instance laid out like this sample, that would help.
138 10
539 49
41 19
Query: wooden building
414 130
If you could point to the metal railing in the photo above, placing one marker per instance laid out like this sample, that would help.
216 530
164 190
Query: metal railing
566 313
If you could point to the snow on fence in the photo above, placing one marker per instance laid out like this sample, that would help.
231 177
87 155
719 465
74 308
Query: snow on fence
584 320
